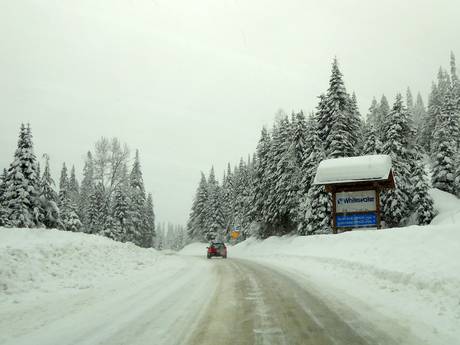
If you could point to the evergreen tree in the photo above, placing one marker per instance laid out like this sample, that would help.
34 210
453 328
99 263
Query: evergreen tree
63 186
382 114
372 116
137 229
87 190
372 144
22 185
308 169
282 192
316 204
214 217
97 212
340 112
421 200
112 229
120 212
261 183
149 235
397 134
409 101
419 112
196 223
444 148
74 188
228 202
49 198
3 213
69 217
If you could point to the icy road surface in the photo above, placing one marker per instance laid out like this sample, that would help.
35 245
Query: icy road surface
186 300
254 304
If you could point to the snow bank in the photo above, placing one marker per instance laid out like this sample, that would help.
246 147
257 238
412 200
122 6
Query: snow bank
42 260
447 206
409 274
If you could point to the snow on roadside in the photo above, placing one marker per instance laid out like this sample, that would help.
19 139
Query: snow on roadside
39 260
409 275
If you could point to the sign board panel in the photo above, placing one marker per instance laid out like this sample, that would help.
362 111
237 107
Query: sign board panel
356 220
361 201
235 234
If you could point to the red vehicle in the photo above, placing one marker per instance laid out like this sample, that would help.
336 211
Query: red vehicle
217 249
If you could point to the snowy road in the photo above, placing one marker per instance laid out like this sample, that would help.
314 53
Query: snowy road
254 304
188 301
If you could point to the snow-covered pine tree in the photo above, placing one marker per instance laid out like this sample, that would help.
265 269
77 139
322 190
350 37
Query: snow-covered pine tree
282 172
340 143
159 239
340 111
137 228
372 144
421 201
112 228
316 204
419 118
425 138
69 219
120 211
214 222
444 147
457 175
49 198
63 185
373 113
299 150
3 213
149 235
196 222
324 118
409 101
22 185
227 196
74 188
261 183
356 125
97 210
86 191
299 138
397 135
382 113
308 167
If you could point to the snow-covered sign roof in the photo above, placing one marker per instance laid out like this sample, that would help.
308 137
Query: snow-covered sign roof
353 169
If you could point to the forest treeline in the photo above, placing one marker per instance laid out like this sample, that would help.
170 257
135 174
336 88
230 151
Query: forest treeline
110 200
271 192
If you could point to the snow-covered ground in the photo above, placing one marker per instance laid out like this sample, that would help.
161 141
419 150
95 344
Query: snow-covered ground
85 289
409 275
65 288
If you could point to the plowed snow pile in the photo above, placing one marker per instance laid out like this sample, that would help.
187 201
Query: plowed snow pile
42 260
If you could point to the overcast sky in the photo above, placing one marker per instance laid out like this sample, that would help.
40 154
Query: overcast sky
191 83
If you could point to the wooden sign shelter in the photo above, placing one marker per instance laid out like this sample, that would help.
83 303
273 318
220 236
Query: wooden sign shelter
355 184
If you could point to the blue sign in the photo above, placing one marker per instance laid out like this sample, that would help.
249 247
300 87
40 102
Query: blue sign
356 220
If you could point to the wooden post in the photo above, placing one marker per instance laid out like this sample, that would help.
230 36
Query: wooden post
334 212
377 204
